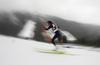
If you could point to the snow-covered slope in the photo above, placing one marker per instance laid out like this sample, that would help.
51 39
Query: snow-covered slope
28 30
69 35
15 51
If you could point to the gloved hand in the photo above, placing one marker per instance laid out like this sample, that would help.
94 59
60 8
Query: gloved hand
44 28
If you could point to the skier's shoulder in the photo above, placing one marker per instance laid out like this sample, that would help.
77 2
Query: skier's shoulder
55 25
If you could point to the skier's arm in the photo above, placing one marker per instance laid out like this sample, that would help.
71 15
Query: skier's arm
49 27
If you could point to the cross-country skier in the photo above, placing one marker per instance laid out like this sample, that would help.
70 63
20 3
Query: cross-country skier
55 30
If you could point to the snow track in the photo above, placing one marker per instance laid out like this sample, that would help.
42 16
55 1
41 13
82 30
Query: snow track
15 51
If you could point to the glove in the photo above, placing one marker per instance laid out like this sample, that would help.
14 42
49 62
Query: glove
44 27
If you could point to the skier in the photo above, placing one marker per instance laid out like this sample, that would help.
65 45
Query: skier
55 30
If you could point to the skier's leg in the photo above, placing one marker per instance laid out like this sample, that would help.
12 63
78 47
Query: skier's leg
56 48
59 38
54 39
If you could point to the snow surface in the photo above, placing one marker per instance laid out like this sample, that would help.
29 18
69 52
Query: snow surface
28 30
16 51
69 36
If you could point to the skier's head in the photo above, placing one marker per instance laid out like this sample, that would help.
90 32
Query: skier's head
49 22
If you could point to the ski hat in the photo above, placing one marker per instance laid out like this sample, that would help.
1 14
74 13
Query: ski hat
49 22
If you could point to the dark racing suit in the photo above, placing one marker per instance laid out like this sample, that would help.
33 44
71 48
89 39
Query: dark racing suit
56 31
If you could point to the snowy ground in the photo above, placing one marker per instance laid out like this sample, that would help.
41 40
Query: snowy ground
15 51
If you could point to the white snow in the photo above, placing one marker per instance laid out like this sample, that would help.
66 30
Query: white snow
28 30
15 51
69 36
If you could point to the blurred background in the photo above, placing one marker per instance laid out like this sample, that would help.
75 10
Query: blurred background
78 20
